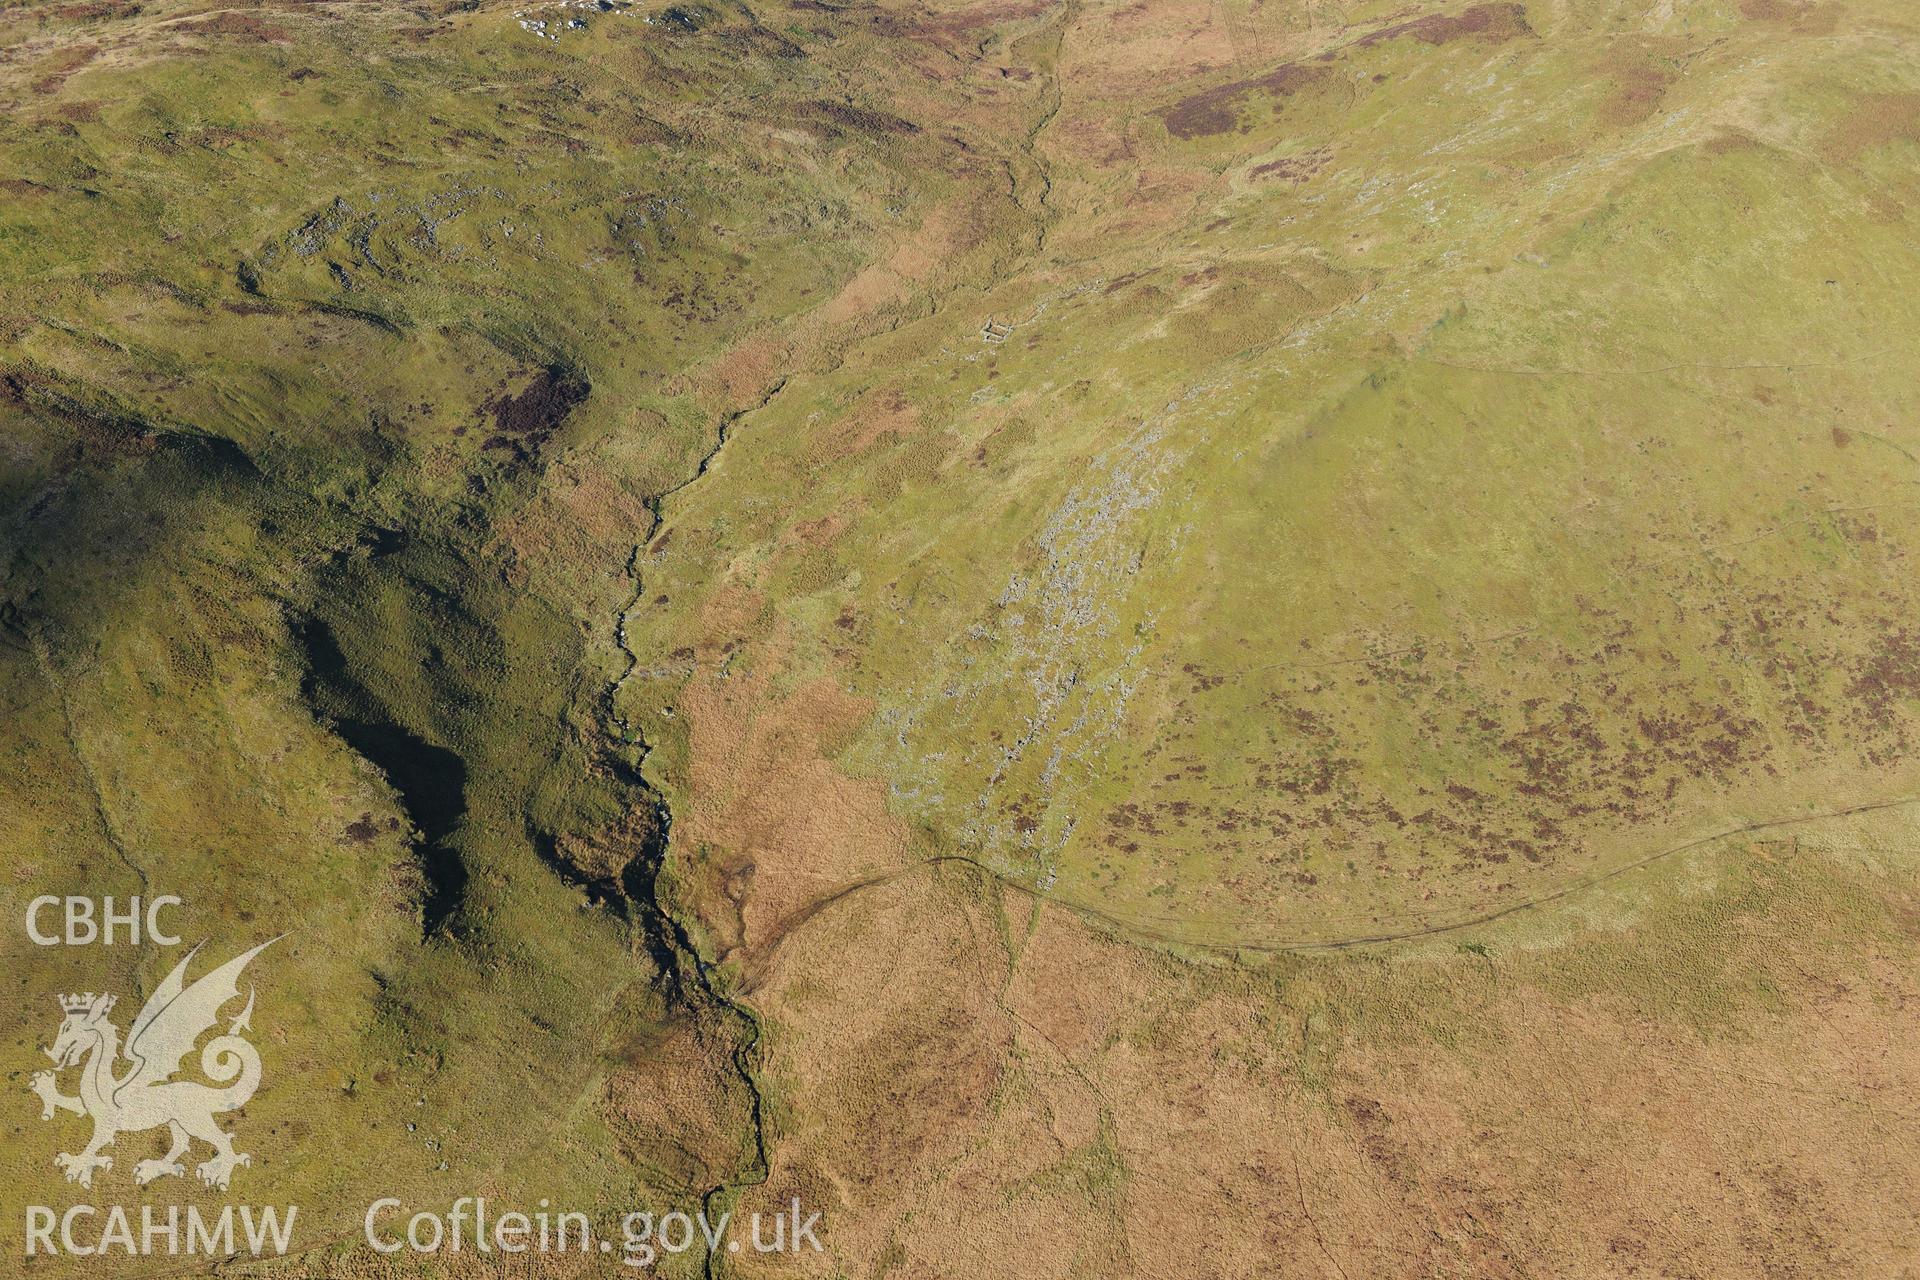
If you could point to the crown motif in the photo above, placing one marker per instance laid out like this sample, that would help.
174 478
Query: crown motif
82 1003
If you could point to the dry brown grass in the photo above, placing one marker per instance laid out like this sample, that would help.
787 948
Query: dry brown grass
1059 1102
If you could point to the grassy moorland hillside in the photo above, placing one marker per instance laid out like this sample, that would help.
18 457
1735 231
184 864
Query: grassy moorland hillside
1103 638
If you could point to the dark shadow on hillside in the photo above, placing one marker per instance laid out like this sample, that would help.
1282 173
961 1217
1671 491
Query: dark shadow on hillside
431 781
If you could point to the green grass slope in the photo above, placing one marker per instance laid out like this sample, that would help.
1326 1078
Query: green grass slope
549 522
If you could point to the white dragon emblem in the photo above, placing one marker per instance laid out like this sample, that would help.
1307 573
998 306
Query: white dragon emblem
145 1096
